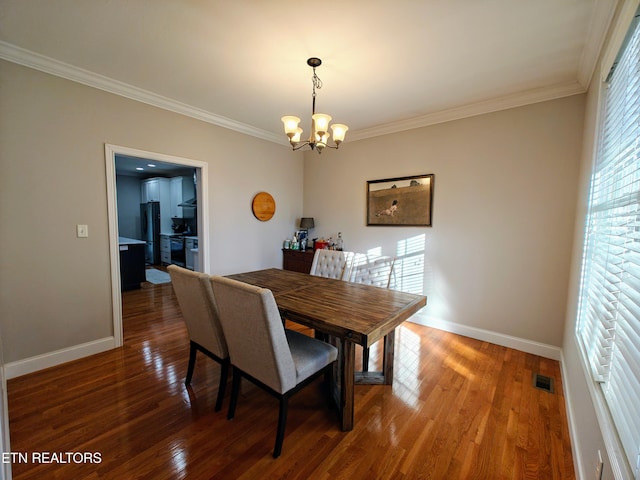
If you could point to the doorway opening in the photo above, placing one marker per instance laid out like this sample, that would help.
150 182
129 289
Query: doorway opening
189 216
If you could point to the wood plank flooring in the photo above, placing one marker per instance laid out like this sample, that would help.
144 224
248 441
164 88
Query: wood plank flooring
459 409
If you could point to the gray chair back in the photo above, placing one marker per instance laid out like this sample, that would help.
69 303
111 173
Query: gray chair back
255 334
195 296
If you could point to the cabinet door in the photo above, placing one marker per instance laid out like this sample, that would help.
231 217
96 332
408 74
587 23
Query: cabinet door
132 266
150 190
144 196
153 190
176 197
297 261
165 249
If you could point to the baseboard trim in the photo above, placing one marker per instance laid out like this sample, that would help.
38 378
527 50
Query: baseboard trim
51 359
524 345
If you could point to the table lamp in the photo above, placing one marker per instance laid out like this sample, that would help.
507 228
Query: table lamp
306 224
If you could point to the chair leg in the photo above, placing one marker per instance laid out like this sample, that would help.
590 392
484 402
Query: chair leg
328 385
192 362
321 336
282 423
235 390
224 373
365 359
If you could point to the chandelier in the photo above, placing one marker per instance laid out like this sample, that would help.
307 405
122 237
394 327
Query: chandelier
319 122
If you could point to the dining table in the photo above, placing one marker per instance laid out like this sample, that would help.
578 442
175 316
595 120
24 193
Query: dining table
347 314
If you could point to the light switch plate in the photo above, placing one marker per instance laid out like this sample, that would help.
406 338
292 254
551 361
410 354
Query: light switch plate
82 231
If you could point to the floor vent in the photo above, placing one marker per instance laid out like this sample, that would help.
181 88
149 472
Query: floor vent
543 382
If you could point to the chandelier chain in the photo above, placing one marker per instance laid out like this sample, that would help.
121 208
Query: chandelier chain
317 83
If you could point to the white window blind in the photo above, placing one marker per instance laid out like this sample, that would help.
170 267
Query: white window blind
609 310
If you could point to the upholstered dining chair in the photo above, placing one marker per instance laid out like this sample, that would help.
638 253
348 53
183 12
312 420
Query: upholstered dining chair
200 313
372 271
332 264
278 360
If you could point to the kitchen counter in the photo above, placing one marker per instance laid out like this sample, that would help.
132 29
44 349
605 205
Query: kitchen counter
132 264
130 241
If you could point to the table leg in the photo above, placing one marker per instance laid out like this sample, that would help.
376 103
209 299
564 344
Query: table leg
347 375
385 377
387 360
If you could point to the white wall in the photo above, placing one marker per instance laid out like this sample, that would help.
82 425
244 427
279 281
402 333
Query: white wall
55 288
499 250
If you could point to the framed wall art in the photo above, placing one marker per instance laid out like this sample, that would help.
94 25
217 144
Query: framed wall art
402 201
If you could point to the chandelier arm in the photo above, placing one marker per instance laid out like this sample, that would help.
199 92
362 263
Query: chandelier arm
301 145
312 145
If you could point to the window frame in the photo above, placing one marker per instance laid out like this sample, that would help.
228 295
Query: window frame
620 466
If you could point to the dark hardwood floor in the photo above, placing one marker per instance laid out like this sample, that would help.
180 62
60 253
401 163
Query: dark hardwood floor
459 408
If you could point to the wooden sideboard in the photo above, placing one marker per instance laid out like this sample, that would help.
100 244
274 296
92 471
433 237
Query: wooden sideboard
296 260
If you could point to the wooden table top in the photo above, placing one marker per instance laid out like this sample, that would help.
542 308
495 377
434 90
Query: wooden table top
360 313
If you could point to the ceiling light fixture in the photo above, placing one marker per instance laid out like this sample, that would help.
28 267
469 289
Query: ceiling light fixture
319 122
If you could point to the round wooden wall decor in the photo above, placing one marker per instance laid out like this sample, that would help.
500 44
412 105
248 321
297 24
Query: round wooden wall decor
263 206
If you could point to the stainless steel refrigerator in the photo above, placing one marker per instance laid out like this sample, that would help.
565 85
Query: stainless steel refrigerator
150 223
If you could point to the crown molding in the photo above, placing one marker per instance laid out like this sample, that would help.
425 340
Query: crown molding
601 21
493 105
49 65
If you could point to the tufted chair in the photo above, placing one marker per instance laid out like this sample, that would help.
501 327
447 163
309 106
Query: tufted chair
332 264
195 297
377 272
280 361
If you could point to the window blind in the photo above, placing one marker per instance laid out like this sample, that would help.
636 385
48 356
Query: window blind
609 310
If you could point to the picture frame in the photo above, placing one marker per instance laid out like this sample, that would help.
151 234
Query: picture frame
401 201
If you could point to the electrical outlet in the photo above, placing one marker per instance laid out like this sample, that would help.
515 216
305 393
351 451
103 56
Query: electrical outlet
82 231
599 466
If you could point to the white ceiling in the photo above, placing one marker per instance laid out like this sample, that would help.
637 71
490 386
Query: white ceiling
387 65
145 168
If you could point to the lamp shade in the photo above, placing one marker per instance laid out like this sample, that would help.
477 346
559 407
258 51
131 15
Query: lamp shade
290 124
321 123
297 135
339 132
306 223
322 139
